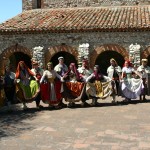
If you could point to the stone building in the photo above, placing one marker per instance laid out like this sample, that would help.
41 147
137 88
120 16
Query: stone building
95 29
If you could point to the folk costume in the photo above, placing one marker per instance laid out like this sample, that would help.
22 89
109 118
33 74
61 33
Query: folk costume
50 93
27 83
84 72
98 85
114 72
72 87
61 69
144 70
131 87
38 73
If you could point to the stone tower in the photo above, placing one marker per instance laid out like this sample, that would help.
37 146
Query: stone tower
38 4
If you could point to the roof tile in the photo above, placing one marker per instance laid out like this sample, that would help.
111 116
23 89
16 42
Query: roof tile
123 18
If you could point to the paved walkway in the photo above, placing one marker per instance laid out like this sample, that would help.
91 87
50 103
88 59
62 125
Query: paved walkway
125 126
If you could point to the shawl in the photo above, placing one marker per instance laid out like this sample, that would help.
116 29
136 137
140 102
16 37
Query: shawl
18 71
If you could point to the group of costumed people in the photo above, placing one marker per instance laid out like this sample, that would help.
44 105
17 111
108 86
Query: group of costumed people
73 85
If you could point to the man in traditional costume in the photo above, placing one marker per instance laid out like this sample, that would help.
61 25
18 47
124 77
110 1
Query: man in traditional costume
84 72
144 70
114 72
61 69
38 73
27 85
131 87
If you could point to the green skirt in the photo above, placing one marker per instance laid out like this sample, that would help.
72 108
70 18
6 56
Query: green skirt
30 91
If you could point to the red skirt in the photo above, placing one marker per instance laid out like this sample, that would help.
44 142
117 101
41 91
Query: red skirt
47 91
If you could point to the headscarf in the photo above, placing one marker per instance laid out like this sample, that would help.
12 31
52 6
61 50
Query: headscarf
98 75
74 70
19 69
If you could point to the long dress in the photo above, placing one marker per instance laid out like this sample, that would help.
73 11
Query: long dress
30 87
72 88
131 87
98 86
50 93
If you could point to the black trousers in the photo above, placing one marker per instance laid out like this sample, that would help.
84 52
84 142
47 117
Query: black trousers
38 99
9 92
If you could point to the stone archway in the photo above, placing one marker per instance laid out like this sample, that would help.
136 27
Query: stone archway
146 54
107 47
61 48
5 55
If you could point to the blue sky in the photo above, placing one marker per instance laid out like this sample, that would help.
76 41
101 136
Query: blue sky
9 9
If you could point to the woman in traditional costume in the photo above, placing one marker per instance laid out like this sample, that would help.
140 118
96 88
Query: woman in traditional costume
131 87
114 72
27 86
72 87
50 93
98 85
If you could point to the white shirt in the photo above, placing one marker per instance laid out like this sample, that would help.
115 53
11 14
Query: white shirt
50 74
127 70
144 71
85 72
39 69
110 71
59 67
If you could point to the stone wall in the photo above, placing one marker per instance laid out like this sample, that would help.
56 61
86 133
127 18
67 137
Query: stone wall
32 4
27 4
95 40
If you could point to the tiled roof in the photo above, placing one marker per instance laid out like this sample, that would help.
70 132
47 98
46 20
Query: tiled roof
125 18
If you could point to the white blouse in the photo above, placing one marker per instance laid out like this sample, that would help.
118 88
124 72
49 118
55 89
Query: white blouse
49 74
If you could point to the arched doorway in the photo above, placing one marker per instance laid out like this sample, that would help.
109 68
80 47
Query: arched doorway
108 50
8 54
69 53
19 56
103 60
68 58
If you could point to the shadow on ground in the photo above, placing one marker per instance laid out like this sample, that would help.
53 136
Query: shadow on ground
108 104
12 122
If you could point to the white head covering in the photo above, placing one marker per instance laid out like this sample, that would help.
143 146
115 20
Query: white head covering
144 60
60 57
